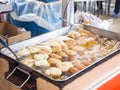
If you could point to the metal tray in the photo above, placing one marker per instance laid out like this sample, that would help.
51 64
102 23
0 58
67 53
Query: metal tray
37 40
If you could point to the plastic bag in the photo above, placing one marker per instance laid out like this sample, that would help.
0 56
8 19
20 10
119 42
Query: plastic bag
35 25
35 16
45 15
94 20
48 11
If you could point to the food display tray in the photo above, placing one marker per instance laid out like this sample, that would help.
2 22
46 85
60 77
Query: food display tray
31 72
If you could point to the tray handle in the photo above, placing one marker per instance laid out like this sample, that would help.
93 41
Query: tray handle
4 43
23 73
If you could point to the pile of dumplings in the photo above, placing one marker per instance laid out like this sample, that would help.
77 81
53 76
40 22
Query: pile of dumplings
67 55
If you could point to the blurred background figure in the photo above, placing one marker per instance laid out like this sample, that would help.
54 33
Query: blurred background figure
99 5
117 8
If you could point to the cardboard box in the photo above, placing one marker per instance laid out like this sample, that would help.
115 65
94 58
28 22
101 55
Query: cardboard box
11 34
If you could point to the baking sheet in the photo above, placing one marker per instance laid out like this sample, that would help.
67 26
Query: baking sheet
63 31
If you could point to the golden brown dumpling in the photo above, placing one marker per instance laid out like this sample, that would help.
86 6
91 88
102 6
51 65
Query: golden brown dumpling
74 34
64 66
80 66
78 48
63 54
52 55
56 48
53 61
70 43
73 70
71 53
53 72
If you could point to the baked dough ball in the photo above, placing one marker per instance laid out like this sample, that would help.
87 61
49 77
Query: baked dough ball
80 66
43 52
74 34
71 53
85 32
33 49
63 45
52 55
72 58
86 62
60 42
64 66
56 48
81 53
77 48
41 56
53 71
76 62
70 43
73 70
85 58
53 61
81 40
29 62
87 42
63 54
23 51
64 48
94 58
45 48
42 63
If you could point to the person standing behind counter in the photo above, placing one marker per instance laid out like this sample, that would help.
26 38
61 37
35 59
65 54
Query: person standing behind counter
99 5
117 8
